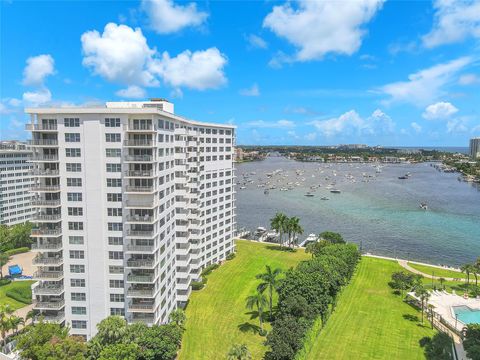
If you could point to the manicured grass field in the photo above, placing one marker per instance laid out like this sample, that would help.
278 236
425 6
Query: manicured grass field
437 271
5 300
215 313
370 322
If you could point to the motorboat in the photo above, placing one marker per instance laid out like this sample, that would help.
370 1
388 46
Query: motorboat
423 206
335 191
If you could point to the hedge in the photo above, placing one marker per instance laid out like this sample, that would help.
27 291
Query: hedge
22 295
16 251
5 282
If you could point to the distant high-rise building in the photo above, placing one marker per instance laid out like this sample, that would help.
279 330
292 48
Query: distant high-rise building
132 202
15 182
475 148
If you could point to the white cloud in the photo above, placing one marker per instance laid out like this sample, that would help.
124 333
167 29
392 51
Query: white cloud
439 111
166 17
198 70
37 69
469 79
317 28
311 136
426 85
455 20
120 55
255 41
131 92
457 126
271 124
36 98
352 123
416 127
253 91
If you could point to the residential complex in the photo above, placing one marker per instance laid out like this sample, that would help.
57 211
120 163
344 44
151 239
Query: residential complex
15 182
475 148
131 203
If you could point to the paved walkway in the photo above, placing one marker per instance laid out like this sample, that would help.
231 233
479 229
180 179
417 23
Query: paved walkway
24 260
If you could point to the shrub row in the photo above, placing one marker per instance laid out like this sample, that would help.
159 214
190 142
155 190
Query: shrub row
5 282
307 295
23 295
17 251
208 269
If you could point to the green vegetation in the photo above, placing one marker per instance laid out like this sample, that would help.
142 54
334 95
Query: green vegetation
370 321
471 342
21 291
16 251
286 226
9 321
216 316
15 236
438 348
429 270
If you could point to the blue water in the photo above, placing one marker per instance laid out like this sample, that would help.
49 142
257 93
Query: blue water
467 315
383 214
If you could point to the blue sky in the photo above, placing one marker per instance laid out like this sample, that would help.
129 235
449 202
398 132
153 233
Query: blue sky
299 72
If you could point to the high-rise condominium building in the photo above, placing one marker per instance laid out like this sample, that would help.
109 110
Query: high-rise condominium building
475 148
131 203
15 183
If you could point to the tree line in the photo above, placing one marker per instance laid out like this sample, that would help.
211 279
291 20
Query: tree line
287 229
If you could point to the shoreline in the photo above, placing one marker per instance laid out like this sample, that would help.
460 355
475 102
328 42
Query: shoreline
444 267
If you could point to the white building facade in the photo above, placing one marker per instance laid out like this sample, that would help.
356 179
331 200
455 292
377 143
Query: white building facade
15 183
132 202
475 148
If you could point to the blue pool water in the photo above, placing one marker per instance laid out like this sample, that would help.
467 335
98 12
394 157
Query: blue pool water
467 315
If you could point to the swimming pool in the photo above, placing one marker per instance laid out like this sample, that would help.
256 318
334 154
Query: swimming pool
467 315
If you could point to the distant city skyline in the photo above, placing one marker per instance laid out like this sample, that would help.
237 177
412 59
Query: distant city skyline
291 73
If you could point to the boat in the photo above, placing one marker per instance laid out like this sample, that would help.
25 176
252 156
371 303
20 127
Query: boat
242 187
324 198
310 239
403 177
309 194
335 191
423 206
265 191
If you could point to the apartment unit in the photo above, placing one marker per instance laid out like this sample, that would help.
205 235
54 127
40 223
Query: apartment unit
15 182
475 148
132 201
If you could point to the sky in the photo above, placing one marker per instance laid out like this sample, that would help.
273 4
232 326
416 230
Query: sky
391 73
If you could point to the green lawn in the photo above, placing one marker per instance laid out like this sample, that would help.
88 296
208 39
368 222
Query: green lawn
437 271
5 300
370 322
215 313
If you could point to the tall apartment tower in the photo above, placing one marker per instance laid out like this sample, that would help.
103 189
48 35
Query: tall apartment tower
131 203
15 183
475 148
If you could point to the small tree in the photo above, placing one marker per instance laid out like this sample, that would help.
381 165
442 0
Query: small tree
258 301
423 295
178 317
466 269
279 223
332 237
4 259
111 330
471 342
239 352
270 282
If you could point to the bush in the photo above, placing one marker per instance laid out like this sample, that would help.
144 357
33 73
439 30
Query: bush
5 282
22 294
197 285
231 256
208 269
16 251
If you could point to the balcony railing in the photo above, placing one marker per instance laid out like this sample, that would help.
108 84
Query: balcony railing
48 290
41 127
47 246
43 260
140 278
40 157
57 318
140 248
47 275
140 158
139 173
140 143
140 204
46 188
140 292
44 142
144 319
49 305
139 189
142 127
140 263
141 307
47 203
45 172
44 217
140 233
140 218
46 232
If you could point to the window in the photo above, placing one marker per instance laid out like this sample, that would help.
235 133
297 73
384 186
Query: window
72 137
112 122
114 167
115 255
79 310
77 282
78 296
117 298
77 254
114 197
115 226
75 240
77 269
115 269
117 311
71 122
79 324
75 211
114 212
74 196
116 284
112 137
113 152
114 182
75 225
73 167
74 182
71 152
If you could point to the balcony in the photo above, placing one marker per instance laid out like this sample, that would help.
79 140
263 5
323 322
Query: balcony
147 320
48 275
45 188
49 305
46 203
183 284
138 143
48 290
141 127
139 189
139 173
141 233
149 249
182 295
47 261
46 232
44 158
146 279
41 127
47 246
46 218
53 318
44 142
140 158
141 307
139 204
140 263
140 293
145 219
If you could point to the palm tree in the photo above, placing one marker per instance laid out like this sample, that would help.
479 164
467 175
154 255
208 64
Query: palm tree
16 321
423 295
5 319
279 223
442 280
270 282
258 301
294 228
430 312
239 352
30 316
466 269
4 259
